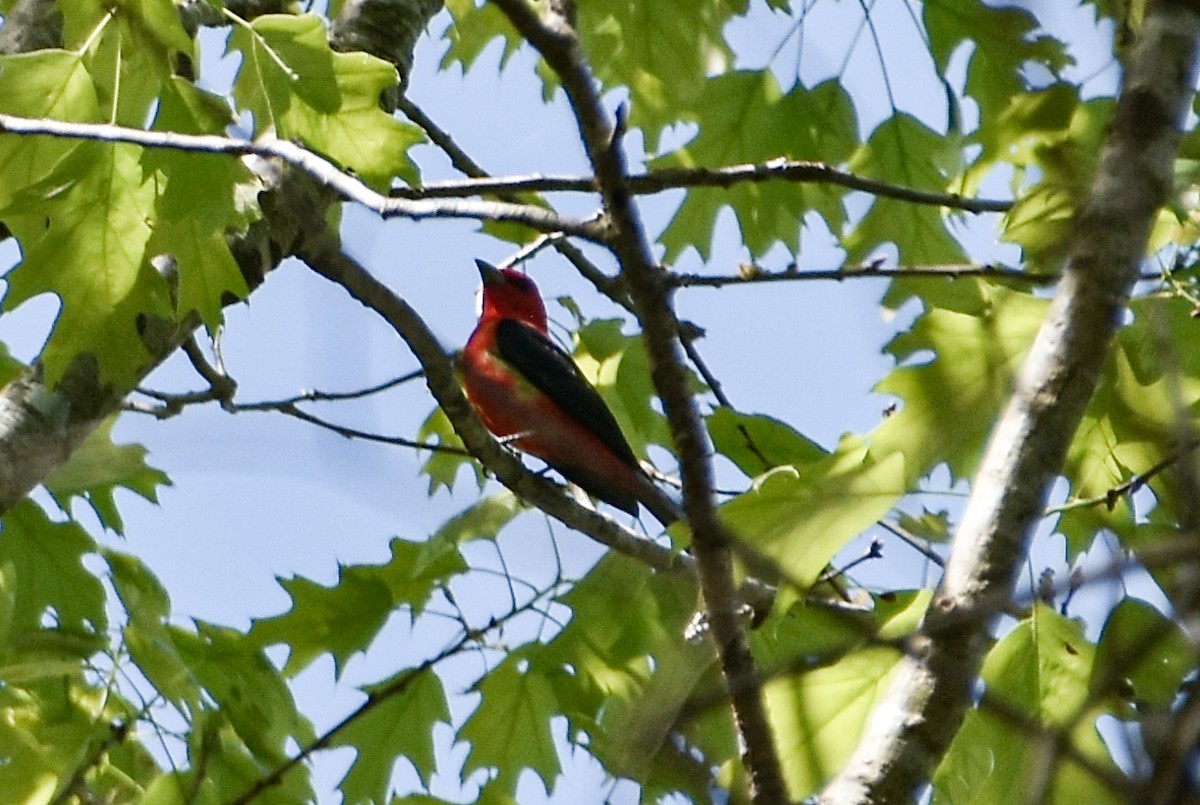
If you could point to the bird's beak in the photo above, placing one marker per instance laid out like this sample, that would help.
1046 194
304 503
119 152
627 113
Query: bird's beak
489 273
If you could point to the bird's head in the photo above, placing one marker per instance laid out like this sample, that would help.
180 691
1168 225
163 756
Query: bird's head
509 294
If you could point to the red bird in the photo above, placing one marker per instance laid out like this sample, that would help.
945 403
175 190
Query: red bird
526 388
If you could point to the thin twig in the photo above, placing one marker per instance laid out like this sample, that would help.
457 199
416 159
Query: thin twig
663 180
920 545
221 386
754 274
291 410
1126 488
316 395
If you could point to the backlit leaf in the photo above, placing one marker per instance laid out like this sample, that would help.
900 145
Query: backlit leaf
98 467
510 730
299 88
399 726
801 517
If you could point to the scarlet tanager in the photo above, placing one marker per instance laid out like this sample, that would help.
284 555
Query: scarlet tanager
529 392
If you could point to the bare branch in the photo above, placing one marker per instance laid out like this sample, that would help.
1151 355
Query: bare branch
555 38
322 170
911 728
222 388
609 286
661 181
292 410
316 395
921 546
752 274
324 257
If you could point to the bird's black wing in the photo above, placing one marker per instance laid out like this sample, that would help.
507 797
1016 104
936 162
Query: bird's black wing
554 373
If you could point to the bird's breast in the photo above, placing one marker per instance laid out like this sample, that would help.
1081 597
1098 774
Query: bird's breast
506 402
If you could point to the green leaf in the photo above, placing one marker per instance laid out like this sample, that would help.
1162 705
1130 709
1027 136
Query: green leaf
1029 120
130 47
510 730
442 466
621 614
616 364
1042 667
341 620
98 467
1039 671
1003 41
195 235
1064 159
757 443
902 150
88 215
416 569
951 400
44 572
747 118
249 691
224 768
662 54
806 634
900 613
481 520
649 737
1130 426
44 84
398 726
991 763
83 232
801 517
148 639
932 526
473 28
818 716
47 733
299 88
1140 645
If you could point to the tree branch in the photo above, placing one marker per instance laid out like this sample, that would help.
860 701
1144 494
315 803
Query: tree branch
753 274
911 728
661 181
555 39
324 257
461 160
346 186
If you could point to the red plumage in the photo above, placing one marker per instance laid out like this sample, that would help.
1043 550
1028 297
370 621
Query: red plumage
526 388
